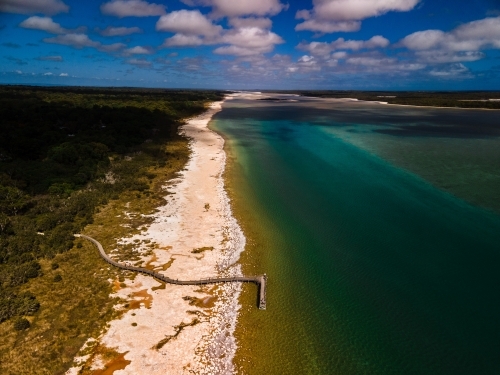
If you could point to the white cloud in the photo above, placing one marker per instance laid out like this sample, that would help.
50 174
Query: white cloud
316 48
472 36
329 16
344 10
141 63
119 31
341 63
376 41
181 40
190 64
233 8
410 66
248 41
19 72
188 22
50 58
63 75
308 63
139 50
46 24
339 55
115 47
132 8
323 48
81 40
259 68
306 59
326 27
249 36
74 40
262 23
438 56
49 7
460 44
331 63
237 51
48 74
238 8
371 61
451 71
422 40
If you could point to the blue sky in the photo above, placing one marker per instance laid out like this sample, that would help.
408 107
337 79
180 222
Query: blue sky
253 44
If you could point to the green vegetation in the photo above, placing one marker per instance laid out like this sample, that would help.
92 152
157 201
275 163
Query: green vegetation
73 158
21 324
462 99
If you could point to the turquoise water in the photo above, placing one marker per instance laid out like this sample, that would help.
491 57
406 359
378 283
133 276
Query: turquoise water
372 269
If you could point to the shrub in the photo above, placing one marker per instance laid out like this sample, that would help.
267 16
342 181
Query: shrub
61 189
57 278
31 270
60 239
21 324
25 271
25 304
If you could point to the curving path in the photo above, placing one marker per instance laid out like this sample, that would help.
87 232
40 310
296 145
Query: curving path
259 280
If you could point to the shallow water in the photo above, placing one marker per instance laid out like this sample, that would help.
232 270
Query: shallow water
373 268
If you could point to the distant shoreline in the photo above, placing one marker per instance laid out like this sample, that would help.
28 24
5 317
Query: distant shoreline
408 105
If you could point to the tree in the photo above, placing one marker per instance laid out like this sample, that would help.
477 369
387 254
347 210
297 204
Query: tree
4 222
61 189
66 153
12 200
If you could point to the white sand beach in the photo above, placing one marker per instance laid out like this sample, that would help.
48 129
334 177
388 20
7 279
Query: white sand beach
197 216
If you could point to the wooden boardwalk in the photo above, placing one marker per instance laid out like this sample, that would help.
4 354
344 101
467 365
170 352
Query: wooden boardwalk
259 280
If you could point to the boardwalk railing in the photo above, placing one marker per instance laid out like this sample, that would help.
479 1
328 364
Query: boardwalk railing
260 280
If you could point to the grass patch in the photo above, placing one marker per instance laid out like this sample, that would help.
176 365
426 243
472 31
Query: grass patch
72 310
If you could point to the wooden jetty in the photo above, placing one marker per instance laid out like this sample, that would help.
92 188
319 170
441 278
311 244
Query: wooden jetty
260 280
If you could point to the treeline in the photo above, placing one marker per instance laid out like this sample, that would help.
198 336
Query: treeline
64 153
459 99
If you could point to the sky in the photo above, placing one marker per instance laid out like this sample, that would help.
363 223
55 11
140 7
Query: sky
253 44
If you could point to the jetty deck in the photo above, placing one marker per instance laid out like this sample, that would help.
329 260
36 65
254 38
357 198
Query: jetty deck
260 280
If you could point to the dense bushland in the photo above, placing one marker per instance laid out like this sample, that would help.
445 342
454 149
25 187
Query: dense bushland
64 152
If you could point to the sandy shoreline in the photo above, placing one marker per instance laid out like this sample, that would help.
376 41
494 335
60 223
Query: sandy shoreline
197 216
